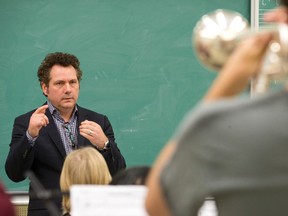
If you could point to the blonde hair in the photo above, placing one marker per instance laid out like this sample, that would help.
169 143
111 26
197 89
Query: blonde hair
83 166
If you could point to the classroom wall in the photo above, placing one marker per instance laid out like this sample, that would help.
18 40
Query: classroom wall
137 58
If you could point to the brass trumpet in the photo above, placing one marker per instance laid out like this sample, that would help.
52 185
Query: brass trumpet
216 35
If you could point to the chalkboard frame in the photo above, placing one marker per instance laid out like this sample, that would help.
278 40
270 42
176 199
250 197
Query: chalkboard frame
258 8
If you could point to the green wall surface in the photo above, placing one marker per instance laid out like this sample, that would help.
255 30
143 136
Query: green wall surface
138 63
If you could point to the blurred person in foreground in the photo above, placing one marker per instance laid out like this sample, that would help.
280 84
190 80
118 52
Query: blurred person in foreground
230 148
6 206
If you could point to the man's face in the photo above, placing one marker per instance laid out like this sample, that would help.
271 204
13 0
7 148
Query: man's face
63 88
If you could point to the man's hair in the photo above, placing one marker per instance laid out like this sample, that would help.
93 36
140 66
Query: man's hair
57 58
284 2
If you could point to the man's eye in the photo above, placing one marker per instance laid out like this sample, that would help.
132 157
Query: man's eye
73 82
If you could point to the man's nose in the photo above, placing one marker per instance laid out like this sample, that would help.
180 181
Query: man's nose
67 87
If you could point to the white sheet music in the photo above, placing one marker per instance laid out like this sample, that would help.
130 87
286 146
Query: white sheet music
107 200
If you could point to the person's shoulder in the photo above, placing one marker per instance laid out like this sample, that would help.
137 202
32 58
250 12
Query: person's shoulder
90 113
6 206
206 110
207 113
239 104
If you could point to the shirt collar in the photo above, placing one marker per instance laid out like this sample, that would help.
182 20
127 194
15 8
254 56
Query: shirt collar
53 109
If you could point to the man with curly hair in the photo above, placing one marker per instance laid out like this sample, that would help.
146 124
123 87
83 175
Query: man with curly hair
43 137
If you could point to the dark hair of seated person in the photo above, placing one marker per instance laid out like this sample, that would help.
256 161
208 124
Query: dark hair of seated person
131 176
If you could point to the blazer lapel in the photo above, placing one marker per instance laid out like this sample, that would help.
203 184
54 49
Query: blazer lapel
54 134
81 117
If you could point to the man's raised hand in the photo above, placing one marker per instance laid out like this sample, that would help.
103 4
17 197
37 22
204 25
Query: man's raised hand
37 121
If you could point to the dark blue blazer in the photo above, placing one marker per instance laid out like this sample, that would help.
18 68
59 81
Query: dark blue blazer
45 159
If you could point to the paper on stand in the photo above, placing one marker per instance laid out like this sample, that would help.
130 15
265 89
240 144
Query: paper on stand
108 200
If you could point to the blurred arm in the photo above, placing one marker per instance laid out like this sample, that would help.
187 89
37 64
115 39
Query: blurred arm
244 63
155 201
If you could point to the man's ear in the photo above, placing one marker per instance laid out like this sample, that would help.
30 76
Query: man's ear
44 88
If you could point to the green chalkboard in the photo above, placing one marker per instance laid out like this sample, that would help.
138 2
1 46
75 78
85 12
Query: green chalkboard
136 55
